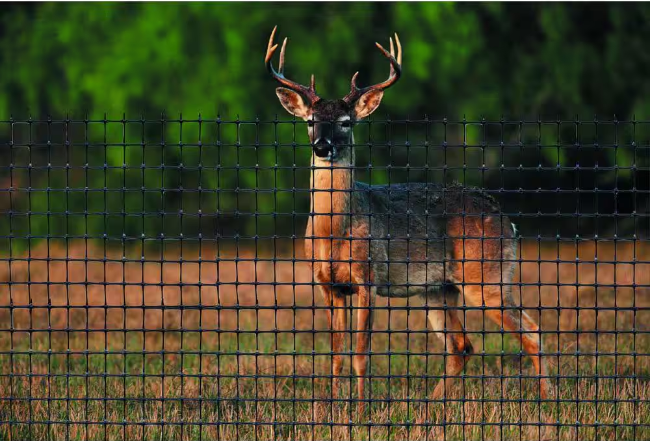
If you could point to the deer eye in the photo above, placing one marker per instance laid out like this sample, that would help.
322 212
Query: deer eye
345 124
310 123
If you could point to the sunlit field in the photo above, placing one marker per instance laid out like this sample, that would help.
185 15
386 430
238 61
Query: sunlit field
219 349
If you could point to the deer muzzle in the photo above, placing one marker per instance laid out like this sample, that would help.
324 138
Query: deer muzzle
323 148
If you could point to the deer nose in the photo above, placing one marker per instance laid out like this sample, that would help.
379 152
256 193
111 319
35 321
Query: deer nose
322 147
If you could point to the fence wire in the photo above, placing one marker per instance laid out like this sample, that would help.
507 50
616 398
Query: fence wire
157 280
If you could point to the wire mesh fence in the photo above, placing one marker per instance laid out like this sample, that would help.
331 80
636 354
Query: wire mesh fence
158 281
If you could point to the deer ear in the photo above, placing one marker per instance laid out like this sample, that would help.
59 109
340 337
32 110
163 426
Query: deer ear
293 102
368 103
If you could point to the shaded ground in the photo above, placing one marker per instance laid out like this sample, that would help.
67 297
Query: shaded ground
97 349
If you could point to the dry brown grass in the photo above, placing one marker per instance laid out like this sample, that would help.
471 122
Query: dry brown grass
65 391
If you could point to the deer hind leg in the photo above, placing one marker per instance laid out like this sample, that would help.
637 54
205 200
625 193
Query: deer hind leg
514 319
511 318
484 269
458 348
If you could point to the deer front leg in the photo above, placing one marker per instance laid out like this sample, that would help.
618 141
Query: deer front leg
363 340
337 320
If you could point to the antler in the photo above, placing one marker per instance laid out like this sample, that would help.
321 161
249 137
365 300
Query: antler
395 73
308 92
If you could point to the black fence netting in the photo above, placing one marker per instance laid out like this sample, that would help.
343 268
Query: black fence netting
212 278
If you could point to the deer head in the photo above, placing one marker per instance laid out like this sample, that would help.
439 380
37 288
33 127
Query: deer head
330 121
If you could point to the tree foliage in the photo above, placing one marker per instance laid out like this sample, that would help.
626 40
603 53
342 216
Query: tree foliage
489 60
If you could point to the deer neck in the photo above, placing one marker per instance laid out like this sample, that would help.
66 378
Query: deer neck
331 185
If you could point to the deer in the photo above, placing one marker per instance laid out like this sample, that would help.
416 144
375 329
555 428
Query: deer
440 242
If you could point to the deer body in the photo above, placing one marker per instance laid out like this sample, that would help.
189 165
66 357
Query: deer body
440 242
398 232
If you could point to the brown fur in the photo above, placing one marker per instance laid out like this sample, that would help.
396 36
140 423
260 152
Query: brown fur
458 349
332 248
479 261
479 269
400 241
331 266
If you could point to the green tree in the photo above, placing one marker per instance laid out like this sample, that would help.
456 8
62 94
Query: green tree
116 61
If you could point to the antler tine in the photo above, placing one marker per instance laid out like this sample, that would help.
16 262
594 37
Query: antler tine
353 81
271 48
282 55
392 52
395 73
398 49
308 92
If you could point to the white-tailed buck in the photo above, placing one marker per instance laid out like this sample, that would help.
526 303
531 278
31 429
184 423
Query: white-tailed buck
400 240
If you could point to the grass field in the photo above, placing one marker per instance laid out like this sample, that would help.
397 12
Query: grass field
249 366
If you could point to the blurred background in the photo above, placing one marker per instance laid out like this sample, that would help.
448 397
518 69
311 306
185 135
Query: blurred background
171 113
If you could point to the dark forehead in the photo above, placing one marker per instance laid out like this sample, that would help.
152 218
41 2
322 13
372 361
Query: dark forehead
330 109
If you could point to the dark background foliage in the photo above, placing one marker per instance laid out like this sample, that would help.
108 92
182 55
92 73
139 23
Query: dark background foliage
467 62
